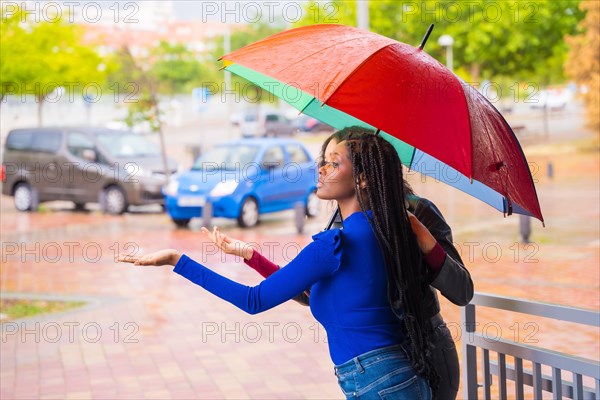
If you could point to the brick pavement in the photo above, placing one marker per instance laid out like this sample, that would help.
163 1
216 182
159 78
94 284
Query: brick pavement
148 333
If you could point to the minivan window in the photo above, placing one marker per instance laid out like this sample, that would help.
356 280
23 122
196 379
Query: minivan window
47 142
272 117
78 142
19 140
128 145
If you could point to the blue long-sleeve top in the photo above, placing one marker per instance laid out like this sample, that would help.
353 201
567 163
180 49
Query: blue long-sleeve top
346 273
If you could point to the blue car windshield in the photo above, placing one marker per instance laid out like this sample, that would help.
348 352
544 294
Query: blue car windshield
227 157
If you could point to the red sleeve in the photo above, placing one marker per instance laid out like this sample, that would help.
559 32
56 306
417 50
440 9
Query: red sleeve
261 264
436 257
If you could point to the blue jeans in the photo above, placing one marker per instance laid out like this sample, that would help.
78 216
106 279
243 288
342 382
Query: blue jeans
384 373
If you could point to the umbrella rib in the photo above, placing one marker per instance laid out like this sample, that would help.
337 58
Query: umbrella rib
499 159
507 125
306 106
499 162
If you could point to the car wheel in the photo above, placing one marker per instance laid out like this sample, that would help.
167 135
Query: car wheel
312 205
181 223
114 201
79 206
248 213
24 200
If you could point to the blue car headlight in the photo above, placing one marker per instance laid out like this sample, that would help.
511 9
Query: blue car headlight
224 188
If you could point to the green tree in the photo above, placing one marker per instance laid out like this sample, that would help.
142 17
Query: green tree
175 68
134 76
12 54
44 57
583 63
168 69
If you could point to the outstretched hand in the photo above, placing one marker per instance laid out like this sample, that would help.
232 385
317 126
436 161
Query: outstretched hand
156 259
228 245
425 239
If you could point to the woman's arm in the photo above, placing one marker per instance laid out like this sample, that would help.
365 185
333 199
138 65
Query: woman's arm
156 259
266 268
261 264
318 260
447 271
251 257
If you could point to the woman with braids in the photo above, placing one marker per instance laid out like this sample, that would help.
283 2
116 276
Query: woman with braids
367 284
446 272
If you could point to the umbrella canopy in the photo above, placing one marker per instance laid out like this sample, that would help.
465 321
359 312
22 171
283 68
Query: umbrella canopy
441 126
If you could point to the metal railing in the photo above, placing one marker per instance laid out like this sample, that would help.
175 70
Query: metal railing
555 384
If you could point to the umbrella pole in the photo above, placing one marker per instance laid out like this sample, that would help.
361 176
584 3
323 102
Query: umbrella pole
333 218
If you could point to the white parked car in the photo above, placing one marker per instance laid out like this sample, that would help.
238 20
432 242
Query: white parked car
554 99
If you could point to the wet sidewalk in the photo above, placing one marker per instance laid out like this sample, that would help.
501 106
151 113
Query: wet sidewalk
148 333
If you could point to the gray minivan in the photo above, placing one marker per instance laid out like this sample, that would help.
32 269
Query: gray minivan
83 165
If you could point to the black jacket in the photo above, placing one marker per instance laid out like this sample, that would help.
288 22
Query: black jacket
452 279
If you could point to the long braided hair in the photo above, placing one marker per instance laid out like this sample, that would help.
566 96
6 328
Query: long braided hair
376 161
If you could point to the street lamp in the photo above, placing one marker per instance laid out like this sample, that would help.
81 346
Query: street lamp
447 41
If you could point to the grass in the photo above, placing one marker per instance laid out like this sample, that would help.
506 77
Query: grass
20 308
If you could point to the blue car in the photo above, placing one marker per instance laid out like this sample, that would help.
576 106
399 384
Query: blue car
243 179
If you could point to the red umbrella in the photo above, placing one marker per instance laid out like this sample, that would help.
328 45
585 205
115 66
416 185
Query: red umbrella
346 76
